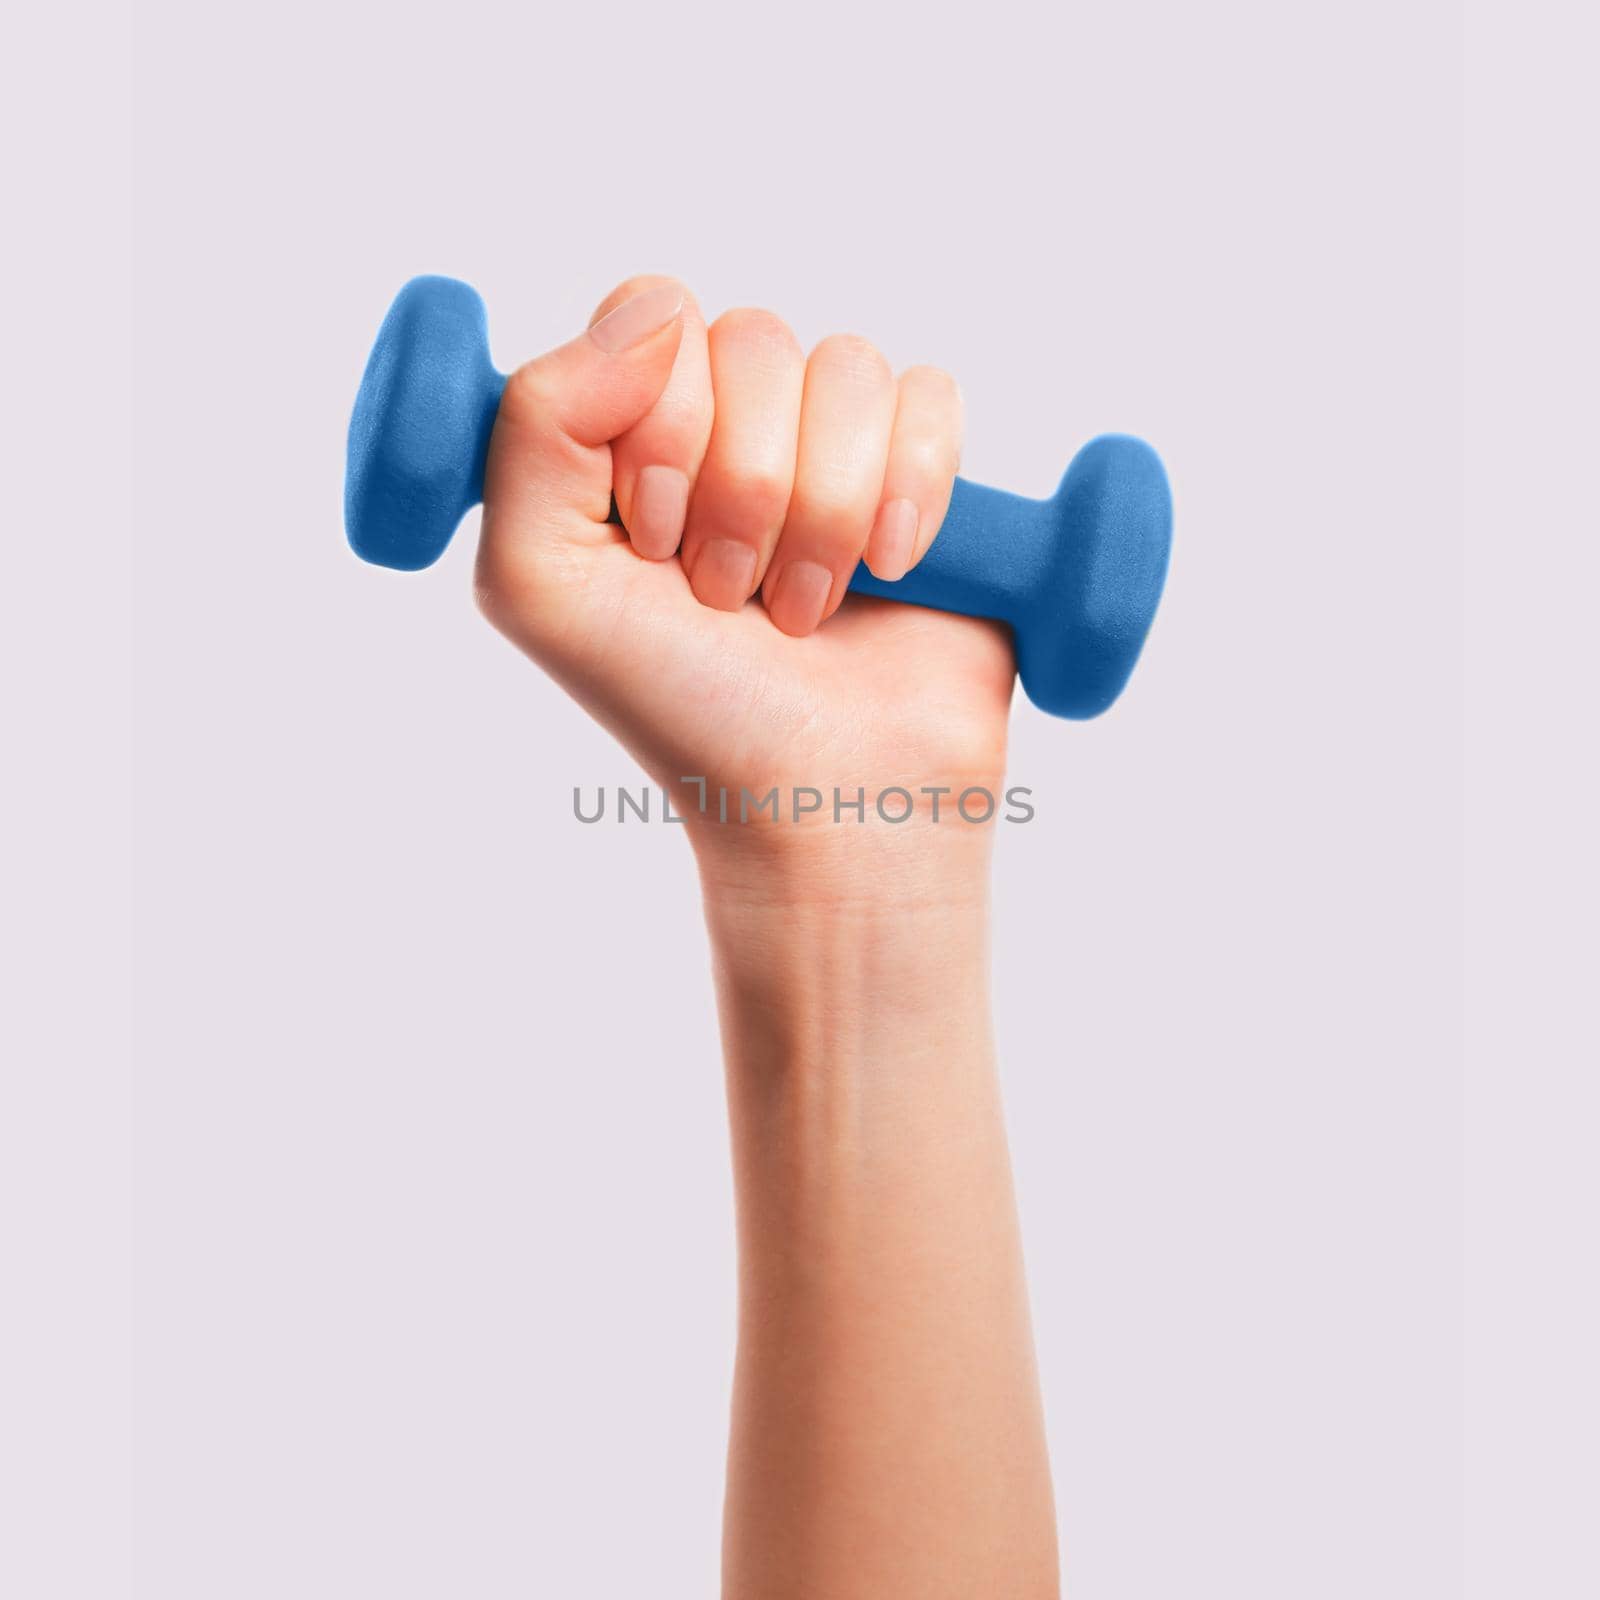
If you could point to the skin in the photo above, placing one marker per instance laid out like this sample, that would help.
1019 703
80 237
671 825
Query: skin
886 1434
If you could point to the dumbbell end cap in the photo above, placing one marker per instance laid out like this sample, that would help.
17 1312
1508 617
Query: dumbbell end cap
1114 538
419 435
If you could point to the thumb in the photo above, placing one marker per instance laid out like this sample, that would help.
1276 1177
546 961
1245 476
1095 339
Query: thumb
549 468
547 484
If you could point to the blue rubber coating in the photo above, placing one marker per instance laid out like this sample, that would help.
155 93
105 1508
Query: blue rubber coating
1077 576
419 435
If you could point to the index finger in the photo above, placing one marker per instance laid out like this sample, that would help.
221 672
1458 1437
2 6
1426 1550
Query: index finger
655 463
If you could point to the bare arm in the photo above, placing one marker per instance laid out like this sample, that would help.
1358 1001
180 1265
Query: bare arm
887 1437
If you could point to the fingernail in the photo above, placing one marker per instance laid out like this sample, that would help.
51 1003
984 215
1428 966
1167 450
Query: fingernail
893 541
724 574
800 596
635 320
660 499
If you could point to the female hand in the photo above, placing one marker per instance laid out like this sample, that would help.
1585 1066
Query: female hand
712 631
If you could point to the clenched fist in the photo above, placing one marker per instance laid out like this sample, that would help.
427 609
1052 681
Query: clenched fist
712 631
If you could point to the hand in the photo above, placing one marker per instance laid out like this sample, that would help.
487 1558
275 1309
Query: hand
742 470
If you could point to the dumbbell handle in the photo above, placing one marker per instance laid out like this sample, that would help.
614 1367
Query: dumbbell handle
1077 576
947 578
994 551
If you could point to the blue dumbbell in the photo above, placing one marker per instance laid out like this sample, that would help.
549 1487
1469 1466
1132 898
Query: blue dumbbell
1077 576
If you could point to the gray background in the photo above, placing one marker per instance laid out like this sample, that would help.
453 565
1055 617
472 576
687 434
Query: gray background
426 1282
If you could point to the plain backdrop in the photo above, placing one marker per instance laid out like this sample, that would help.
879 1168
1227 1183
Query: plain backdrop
395 1254
434 1249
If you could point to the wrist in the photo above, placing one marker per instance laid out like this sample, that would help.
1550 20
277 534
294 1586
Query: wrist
846 934
815 874
823 967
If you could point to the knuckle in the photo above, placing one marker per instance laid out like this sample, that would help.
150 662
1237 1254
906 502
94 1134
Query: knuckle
758 494
685 413
752 328
931 458
829 513
529 395
853 356
673 433
934 387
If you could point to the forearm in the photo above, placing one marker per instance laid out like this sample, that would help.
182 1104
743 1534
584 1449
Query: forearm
886 1437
